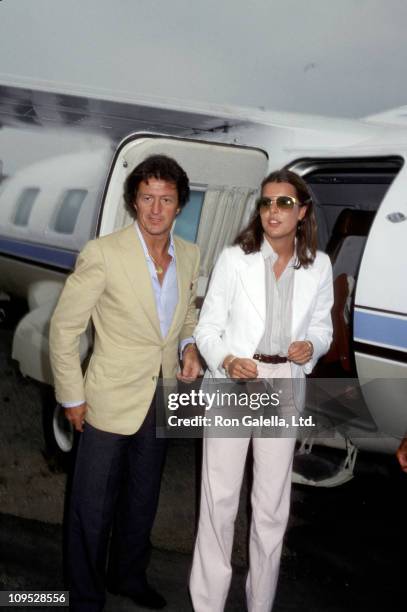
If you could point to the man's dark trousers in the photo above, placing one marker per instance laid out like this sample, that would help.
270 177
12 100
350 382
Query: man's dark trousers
116 483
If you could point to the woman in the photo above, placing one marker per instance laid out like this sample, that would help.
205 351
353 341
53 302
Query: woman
266 315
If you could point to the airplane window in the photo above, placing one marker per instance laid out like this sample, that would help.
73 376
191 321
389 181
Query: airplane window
24 206
67 216
187 223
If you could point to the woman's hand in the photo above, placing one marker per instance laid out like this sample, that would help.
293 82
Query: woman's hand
300 351
237 367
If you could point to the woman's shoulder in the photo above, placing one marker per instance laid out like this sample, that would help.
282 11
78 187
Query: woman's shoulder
321 264
235 252
233 257
322 259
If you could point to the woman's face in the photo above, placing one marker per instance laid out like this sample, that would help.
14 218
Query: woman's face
280 224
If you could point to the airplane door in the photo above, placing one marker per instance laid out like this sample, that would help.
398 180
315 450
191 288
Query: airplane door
380 315
207 164
224 181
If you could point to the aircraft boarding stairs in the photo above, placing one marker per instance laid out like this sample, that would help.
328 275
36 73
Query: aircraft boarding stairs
335 400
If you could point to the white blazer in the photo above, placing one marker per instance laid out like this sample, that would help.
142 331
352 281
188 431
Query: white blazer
233 314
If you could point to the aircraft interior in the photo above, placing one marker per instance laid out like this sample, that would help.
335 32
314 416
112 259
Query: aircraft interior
347 193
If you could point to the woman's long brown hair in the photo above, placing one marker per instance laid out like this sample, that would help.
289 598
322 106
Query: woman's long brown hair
251 238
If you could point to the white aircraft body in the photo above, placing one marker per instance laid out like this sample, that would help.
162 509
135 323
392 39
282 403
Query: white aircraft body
355 168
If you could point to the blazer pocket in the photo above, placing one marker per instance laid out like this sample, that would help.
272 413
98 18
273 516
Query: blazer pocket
100 369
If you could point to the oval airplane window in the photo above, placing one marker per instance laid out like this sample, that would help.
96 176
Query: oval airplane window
68 212
24 206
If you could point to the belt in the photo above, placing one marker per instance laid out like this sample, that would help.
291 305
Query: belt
269 358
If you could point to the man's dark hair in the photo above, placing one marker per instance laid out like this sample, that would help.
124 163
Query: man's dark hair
251 238
161 168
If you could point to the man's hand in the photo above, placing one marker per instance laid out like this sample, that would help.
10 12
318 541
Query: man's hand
191 364
300 351
401 454
240 368
76 415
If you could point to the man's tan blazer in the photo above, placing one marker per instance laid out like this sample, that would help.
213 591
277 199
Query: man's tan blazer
112 285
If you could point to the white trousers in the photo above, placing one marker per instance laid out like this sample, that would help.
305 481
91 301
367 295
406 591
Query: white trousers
222 475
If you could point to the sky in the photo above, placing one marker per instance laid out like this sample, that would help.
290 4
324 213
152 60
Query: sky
343 58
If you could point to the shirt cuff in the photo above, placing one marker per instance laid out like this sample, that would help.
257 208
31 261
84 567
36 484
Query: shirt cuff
182 345
72 404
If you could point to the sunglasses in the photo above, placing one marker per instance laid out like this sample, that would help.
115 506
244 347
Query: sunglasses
282 202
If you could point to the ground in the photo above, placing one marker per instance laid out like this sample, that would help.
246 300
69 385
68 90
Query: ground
343 552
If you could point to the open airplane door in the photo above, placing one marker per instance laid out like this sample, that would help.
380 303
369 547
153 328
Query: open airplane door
380 318
224 181
361 207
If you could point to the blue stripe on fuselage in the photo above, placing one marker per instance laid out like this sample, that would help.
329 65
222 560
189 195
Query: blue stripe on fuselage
48 255
380 329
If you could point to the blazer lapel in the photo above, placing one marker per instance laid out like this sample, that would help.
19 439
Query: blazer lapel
183 281
252 277
136 269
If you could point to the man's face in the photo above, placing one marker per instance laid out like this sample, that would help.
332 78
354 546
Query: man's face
280 224
157 206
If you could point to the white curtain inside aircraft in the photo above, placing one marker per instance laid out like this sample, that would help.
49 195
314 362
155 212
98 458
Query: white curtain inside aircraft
222 214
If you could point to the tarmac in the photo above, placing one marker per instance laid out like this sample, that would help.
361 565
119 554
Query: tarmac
344 548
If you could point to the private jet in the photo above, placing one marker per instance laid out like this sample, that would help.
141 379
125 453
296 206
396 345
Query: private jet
51 207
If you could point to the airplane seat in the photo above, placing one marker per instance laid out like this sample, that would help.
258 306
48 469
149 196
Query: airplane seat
345 248
339 351
348 238
348 257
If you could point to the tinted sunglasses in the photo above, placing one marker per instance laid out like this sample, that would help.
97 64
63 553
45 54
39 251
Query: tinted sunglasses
282 202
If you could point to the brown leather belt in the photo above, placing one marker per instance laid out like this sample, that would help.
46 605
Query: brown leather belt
269 358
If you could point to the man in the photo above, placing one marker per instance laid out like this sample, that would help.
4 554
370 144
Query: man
138 287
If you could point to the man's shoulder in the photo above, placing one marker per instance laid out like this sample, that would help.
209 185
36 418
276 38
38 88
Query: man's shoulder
117 236
113 239
106 248
185 246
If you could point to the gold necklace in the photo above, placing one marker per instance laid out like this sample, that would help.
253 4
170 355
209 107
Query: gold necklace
159 269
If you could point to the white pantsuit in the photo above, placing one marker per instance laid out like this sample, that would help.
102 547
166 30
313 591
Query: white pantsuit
232 322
